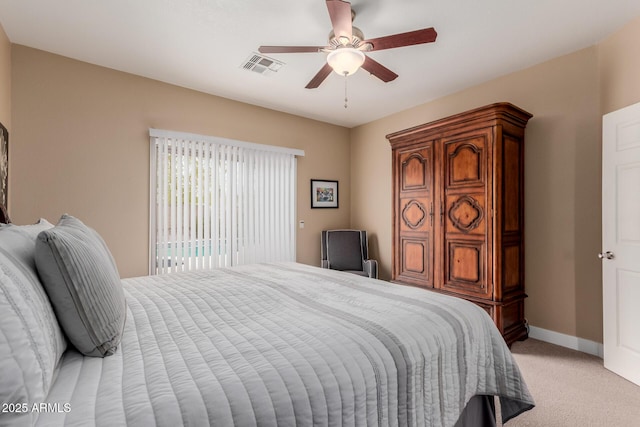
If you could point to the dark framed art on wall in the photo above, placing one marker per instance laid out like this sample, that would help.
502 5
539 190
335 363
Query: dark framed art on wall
4 165
324 193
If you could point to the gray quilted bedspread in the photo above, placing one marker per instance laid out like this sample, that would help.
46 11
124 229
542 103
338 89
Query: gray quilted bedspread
288 345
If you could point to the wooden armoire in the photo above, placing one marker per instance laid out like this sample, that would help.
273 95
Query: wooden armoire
458 210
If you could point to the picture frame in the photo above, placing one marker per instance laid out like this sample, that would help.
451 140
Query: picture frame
4 166
324 194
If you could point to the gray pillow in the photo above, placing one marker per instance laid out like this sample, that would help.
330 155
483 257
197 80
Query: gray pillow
83 284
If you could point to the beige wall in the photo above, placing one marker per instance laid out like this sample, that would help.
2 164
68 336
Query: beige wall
619 62
562 187
66 114
5 80
80 145
567 97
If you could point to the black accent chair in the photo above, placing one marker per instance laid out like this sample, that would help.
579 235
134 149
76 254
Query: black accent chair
347 250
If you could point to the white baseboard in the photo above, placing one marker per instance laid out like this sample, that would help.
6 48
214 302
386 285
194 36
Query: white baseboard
569 341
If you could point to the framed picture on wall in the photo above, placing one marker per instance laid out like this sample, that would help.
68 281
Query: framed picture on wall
4 165
324 193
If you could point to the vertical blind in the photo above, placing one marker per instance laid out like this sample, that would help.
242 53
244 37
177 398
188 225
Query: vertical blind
217 202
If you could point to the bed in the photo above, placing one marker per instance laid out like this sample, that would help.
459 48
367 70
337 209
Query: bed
281 344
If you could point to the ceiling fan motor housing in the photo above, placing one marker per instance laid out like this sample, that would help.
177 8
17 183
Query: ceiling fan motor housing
357 36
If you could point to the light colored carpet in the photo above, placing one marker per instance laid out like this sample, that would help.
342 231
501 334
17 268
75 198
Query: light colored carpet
572 388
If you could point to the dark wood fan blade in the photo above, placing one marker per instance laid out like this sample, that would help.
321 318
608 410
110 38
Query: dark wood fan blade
340 14
319 78
289 49
378 70
426 35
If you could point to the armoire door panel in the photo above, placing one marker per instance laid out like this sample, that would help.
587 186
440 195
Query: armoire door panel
416 170
465 264
416 214
465 268
416 260
466 161
413 175
466 214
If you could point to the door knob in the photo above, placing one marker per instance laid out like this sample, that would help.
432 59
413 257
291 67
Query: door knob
607 255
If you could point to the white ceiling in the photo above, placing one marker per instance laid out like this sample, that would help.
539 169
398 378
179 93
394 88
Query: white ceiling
201 44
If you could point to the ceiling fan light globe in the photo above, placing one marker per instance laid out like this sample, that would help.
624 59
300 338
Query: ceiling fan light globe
345 60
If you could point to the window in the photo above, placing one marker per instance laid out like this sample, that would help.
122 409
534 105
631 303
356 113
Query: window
217 202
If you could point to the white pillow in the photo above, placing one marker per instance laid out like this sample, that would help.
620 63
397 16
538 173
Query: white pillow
31 229
31 341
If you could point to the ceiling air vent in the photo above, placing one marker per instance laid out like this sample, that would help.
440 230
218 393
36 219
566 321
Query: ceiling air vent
261 64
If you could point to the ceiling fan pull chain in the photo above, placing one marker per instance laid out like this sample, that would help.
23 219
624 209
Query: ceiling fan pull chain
345 89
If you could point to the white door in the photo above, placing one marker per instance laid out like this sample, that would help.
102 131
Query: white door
621 241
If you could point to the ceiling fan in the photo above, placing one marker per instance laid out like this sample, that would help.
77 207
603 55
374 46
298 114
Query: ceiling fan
347 46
